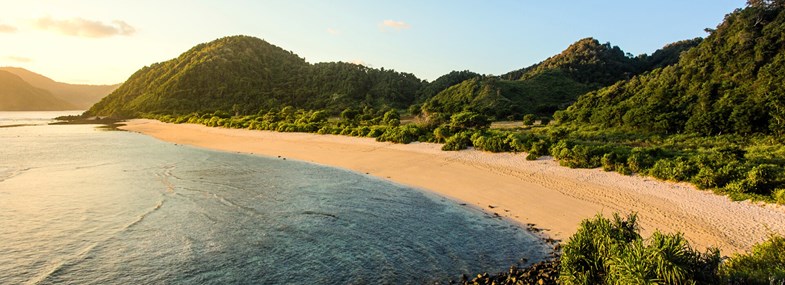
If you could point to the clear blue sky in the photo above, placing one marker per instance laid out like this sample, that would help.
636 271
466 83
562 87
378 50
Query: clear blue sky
96 41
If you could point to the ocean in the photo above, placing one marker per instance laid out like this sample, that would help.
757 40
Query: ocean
81 204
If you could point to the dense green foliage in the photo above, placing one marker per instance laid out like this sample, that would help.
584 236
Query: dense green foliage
552 84
541 94
712 119
585 61
244 75
765 264
730 83
611 251
605 251
444 82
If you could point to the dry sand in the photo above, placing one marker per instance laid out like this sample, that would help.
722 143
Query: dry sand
540 192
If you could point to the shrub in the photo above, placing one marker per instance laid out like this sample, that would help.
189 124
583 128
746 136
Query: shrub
609 161
469 120
779 196
441 133
605 251
667 258
532 156
765 264
588 255
760 179
540 147
678 169
376 131
401 134
488 141
528 120
711 177
457 142
392 118
641 159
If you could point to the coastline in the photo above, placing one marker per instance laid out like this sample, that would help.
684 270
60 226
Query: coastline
551 197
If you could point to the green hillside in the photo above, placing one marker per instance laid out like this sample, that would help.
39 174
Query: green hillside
18 95
732 82
552 84
246 75
585 61
442 83
541 94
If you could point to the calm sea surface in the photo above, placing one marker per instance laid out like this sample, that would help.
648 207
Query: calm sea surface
79 205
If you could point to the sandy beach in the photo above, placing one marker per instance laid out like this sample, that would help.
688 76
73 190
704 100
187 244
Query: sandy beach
540 192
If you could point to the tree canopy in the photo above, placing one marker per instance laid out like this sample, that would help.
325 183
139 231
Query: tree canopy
730 83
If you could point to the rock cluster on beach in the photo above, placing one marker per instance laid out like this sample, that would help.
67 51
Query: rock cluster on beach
546 272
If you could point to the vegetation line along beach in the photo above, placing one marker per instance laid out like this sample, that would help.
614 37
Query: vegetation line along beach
539 192
640 169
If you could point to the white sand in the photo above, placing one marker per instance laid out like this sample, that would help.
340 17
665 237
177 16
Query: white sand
540 192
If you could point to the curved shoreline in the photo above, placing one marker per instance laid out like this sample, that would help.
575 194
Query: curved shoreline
553 198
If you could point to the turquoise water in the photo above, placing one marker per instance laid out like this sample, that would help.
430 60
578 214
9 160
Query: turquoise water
83 206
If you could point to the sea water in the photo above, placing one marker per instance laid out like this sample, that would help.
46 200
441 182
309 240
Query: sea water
79 205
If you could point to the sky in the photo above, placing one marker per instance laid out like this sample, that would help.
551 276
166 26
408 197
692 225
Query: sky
104 42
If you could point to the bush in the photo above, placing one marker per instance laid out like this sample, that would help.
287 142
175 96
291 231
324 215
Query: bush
489 141
641 159
605 251
528 120
588 255
401 134
711 177
468 120
667 258
678 169
779 196
765 264
376 131
540 147
760 179
457 142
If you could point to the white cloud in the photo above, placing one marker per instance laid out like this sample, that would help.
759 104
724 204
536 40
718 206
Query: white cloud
333 32
19 58
7 28
395 25
79 27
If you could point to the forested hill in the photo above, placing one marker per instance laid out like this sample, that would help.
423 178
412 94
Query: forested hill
18 95
732 82
585 61
246 75
554 83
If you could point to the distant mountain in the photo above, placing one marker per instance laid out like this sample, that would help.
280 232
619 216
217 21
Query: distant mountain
80 95
552 84
732 82
247 75
18 95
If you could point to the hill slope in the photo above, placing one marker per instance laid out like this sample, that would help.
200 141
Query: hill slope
553 83
82 96
18 95
247 75
732 82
